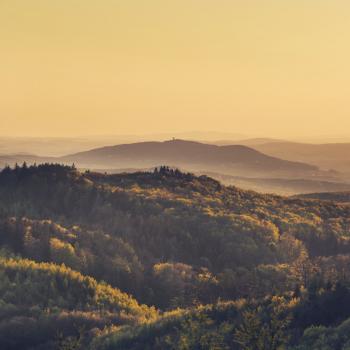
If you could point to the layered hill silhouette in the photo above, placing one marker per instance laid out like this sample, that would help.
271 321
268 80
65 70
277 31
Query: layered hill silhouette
326 156
240 165
342 197
287 186
188 154
11 159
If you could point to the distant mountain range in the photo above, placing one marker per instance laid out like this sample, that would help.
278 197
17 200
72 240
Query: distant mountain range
191 155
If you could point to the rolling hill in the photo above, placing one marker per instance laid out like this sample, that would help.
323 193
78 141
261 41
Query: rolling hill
232 164
189 155
343 197
282 186
80 252
45 306
19 158
326 156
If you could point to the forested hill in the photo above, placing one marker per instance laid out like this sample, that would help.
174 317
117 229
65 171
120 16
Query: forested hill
343 197
170 239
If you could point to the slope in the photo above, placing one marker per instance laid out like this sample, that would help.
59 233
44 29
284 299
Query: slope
187 154
325 156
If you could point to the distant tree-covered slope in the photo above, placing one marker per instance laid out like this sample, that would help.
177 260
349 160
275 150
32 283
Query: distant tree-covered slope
189 154
326 155
283 186
342 197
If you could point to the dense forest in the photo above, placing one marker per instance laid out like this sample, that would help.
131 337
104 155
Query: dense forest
167 260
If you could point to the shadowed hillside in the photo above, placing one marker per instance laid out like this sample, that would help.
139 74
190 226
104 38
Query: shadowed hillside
326 156
329 196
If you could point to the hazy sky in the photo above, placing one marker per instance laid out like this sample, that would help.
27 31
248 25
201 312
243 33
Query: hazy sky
267 67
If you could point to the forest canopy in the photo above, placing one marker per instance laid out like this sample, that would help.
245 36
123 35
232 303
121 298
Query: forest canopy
208 264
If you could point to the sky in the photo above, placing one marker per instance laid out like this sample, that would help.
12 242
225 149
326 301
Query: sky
277 68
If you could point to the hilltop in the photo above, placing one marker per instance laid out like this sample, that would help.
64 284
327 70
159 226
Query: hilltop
240 164
189 155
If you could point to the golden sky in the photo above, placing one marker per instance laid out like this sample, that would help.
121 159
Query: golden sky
262 67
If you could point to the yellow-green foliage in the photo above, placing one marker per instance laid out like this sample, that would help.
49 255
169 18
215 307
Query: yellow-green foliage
210 326
172 240
62 252
25 282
